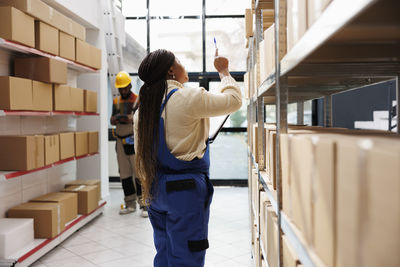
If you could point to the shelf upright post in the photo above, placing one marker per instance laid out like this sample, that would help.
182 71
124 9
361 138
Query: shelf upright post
328 111
300 113
397 103
281 120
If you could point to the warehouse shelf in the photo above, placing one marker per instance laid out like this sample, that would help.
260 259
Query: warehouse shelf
306 254
20 48
39 247
6 175
45 113
271 193
331 56
263 252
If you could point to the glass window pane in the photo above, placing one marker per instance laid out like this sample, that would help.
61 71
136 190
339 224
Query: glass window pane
292 113
308 112
136 43
135 8
175 8
270 115
182 37
228 156
236 119
226 7
228 33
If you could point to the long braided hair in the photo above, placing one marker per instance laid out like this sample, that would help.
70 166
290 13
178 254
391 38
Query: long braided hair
153 71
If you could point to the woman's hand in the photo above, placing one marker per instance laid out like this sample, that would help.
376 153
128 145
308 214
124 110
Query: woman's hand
221 64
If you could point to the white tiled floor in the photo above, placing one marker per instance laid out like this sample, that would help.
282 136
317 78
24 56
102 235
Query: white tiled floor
113 240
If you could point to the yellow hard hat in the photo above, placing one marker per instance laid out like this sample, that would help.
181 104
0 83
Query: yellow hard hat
122 80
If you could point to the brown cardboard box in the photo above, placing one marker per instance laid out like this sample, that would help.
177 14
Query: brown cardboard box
288 254
46 38
93 142
15 93
249 22
95 57
45 13
67 46
93 182
17 26
51 148
255 193
42 96
300 175
81 143
62 98
272 237
90 101
67 145
285 160
67 201
265 204
324 198
296 21
46 220
21 153
82 54
315 9
367 184
87 197
77 99
41 69
246 85
269 51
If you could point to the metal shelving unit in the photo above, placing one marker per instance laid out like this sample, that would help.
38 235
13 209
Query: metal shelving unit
351 45
39 247
45 113
23 49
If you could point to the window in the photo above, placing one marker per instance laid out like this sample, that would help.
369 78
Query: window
226 7
135 8
229 34
182 37
175 8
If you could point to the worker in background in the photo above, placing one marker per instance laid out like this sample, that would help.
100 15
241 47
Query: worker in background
172 129
122 114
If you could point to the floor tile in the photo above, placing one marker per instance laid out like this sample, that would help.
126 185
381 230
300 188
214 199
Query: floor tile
103 256
57 254
75 261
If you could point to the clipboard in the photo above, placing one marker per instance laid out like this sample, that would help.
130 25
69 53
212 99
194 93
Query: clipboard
214 135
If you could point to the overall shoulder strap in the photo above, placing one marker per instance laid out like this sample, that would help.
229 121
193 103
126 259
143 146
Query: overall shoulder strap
167 98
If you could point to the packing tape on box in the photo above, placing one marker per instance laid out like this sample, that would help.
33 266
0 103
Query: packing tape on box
58 218
363 197
79 188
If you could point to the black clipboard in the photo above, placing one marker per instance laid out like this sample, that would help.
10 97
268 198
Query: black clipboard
214 135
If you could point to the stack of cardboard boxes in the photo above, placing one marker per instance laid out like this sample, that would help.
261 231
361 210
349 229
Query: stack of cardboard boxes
333 182
296 16
23 153
35 24
51 212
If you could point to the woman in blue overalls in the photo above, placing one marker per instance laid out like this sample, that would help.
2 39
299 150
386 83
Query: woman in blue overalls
171 133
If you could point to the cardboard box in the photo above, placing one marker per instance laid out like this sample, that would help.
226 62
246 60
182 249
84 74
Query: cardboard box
315 9
52 148
248 15
46 38
82 54
45 13
255 192
246 85
286 189
77 99
17 26
269 51
90 101
272 237
87 197
300 175
67 46
265 204
367 183
15 234
46 220
42 94
15 93
288 254
95 57
323 220
296 21
92 182
21 153
67 145
62 98
81 143
67 201
93 142
41 69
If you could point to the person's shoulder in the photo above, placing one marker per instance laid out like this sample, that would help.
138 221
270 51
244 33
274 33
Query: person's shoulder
133 97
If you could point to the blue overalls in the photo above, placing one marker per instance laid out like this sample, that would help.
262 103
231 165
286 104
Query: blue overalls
180 208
